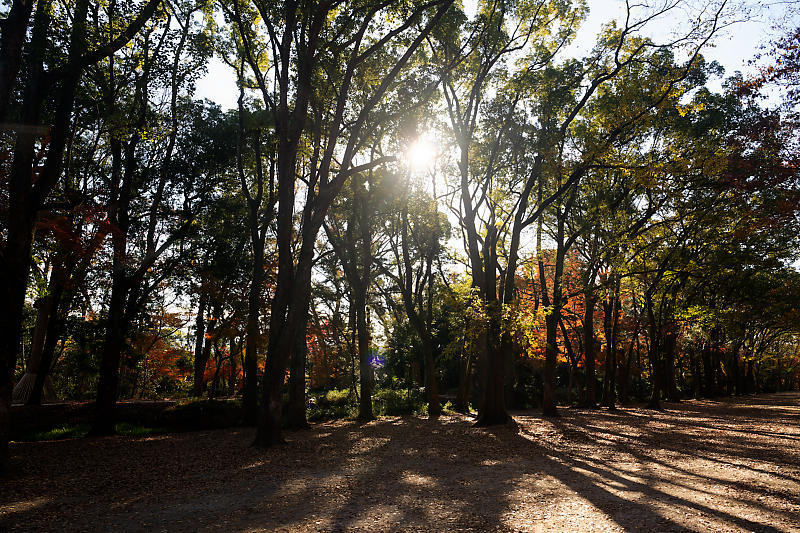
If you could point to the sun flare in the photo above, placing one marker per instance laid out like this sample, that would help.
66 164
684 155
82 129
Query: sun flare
421 155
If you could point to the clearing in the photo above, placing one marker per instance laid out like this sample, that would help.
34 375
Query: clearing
730 465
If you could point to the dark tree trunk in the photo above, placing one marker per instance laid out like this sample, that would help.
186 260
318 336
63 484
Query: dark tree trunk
551 354
670 345
741 387
200 358
431 381
364 366
250 388
290 303
493 410
234 368
353 348
45 307
708 370
729 376
551 321
25 196
296 415
493 390
611 326
654 355
694 362
113 345
510 358
15 28
625 378
464 380
55 328
116 324
212 389
750 380
589 349
15 266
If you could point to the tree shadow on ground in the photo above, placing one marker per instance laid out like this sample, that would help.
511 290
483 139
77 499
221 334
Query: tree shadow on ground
591 469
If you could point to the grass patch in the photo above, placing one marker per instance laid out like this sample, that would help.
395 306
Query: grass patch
77 431
68 431
135 430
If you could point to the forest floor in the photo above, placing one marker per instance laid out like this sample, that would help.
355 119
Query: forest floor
731 465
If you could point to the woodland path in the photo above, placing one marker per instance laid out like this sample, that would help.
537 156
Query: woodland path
731 465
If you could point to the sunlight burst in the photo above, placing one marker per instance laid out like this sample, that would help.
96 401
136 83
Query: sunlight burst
421 155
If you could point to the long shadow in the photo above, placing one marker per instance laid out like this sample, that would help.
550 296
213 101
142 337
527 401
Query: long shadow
689 444
568 470
391 474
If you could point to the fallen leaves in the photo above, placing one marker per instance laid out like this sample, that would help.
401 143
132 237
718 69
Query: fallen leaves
699 465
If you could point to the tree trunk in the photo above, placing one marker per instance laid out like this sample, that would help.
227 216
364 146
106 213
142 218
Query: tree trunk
25 196
289 306
431 381
551 355
250 388
45 308
200 337
510 358
708 370
654 356
670 345
551 321
234 367
42 387
364 366
625 378
15 28
464 380
589 348
113 344
296 415
15 265
694 362
494 409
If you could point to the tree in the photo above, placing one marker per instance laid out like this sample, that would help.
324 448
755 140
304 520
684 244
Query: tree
58 83
344 31
136 273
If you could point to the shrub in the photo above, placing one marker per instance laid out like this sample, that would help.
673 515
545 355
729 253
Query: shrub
395 402
330 405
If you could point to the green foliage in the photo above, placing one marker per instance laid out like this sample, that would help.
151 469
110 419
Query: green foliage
201 414
76 431
338 404
399 402
330 405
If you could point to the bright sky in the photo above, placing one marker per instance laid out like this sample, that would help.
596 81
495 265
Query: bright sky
734 47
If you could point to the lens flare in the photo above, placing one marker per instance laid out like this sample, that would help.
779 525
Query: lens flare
421 155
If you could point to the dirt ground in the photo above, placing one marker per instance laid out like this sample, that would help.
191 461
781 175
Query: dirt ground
732 465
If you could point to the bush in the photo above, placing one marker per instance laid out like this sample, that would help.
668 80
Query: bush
200 414
337 404
396 402
330 405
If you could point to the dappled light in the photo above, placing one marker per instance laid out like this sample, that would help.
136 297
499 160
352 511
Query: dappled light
580 472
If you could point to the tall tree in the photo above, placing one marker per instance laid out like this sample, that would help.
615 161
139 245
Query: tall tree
57 82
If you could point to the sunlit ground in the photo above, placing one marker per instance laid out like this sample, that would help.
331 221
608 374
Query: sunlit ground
699 466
